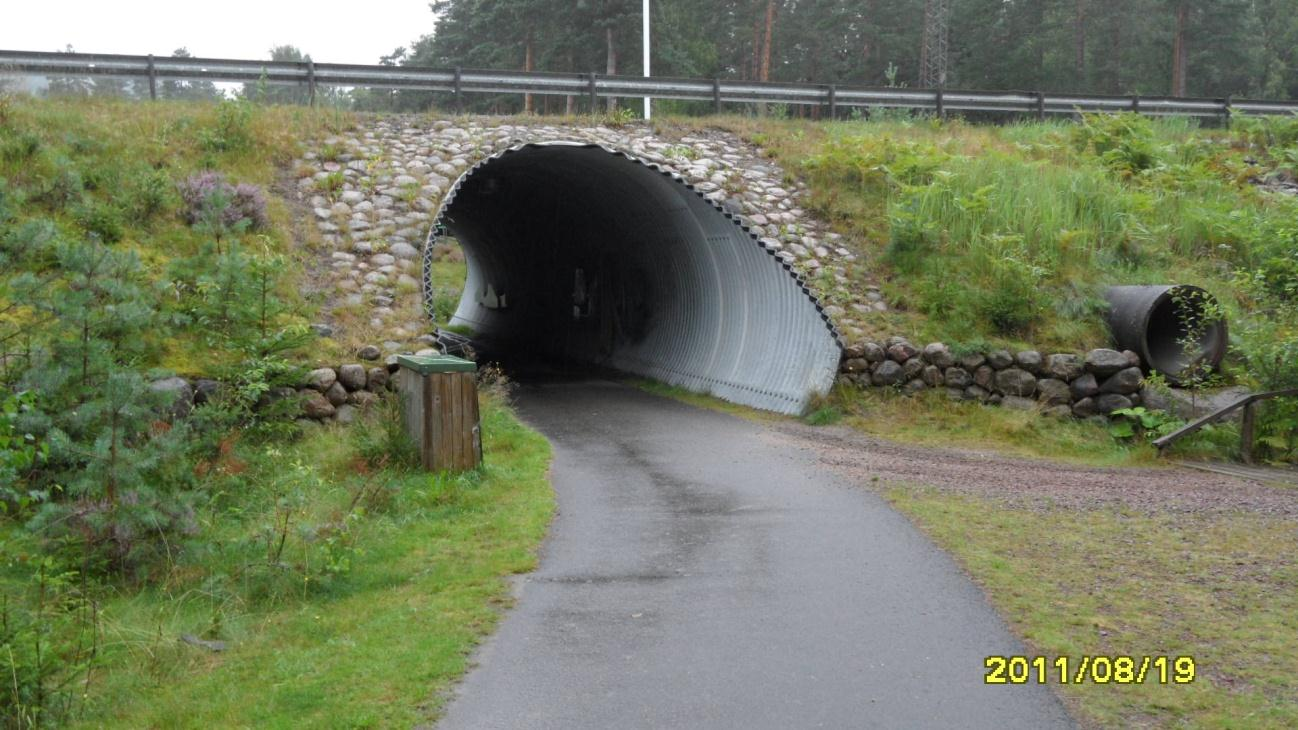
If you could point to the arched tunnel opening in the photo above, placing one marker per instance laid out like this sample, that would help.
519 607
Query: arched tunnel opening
584 256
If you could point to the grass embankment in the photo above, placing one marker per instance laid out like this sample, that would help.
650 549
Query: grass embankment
1222 589
113 170
347 590
371 616
1010 234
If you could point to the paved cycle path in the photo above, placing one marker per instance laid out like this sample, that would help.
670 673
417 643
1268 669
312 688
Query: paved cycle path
702 574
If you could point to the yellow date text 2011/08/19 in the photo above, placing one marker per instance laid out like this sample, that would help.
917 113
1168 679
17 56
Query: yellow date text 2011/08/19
1092 669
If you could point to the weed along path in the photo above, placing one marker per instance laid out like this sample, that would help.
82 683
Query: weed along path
699 575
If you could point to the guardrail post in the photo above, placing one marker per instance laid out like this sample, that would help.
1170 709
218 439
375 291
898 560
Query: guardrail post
1246 433
310 80
941 106
459 91
833 102
1226 113
1041 106
716 96
594 93
153 80
1135 104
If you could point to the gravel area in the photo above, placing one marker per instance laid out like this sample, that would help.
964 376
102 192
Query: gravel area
1037 483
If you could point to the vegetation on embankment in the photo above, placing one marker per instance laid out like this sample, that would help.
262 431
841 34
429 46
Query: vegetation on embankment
1009 235
347 595
163 563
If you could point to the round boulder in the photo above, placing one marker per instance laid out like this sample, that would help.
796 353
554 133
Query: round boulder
1084 387
1053 392
1016 382
938 354
336 394
352 376
1109 402
1065 367
369 353
1000 359
856 365
913 368
1123 382
958 378
1029 360
177 396
316 406
1103 363
887 373
873 352
321 379
932 376
902 351
376 379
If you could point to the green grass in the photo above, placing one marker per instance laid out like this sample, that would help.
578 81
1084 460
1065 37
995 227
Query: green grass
112 167
374 646
1222 589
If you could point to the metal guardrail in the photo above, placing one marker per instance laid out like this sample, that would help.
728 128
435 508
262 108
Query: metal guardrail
460 81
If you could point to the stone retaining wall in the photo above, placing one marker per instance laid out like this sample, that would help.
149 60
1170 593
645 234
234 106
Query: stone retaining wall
1094 384
326 394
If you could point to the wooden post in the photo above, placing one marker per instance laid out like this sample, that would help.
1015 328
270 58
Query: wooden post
594 94
716 95
1135 104
1246 432
153 80
833 102
1226 113
941 105
1041 106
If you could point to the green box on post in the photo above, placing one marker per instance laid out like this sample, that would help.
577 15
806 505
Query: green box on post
439 398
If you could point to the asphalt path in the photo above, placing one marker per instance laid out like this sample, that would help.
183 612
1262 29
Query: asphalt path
699 574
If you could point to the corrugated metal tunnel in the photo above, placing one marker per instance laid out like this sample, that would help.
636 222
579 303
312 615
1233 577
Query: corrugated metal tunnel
581 254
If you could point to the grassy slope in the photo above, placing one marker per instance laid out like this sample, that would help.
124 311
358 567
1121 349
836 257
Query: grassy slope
948 214
372 648
367 617
112 149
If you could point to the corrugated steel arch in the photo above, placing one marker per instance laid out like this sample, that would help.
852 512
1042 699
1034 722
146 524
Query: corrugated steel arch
728 317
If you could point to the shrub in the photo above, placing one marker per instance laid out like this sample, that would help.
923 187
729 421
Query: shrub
232 130
209 200
104 221
147 195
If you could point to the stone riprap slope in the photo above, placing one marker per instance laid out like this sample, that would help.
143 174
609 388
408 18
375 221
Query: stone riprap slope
375 192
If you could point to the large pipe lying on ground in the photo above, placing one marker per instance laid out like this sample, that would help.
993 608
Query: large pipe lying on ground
1177 330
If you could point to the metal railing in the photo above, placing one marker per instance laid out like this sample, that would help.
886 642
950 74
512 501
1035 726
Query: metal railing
460 81
1247 421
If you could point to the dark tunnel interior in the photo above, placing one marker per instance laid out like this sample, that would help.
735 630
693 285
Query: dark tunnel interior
580 255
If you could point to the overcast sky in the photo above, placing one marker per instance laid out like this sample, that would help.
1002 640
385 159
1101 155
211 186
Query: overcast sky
332 31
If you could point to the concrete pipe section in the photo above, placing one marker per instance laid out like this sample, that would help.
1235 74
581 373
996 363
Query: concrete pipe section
1167 327
580 254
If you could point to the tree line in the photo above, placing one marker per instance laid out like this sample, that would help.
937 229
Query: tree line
1211 48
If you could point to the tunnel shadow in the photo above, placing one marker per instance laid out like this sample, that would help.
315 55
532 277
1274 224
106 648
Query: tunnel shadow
582 261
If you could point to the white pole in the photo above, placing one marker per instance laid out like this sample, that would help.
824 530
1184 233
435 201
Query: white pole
648 112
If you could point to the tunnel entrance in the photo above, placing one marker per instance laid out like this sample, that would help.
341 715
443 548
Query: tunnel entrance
580 254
